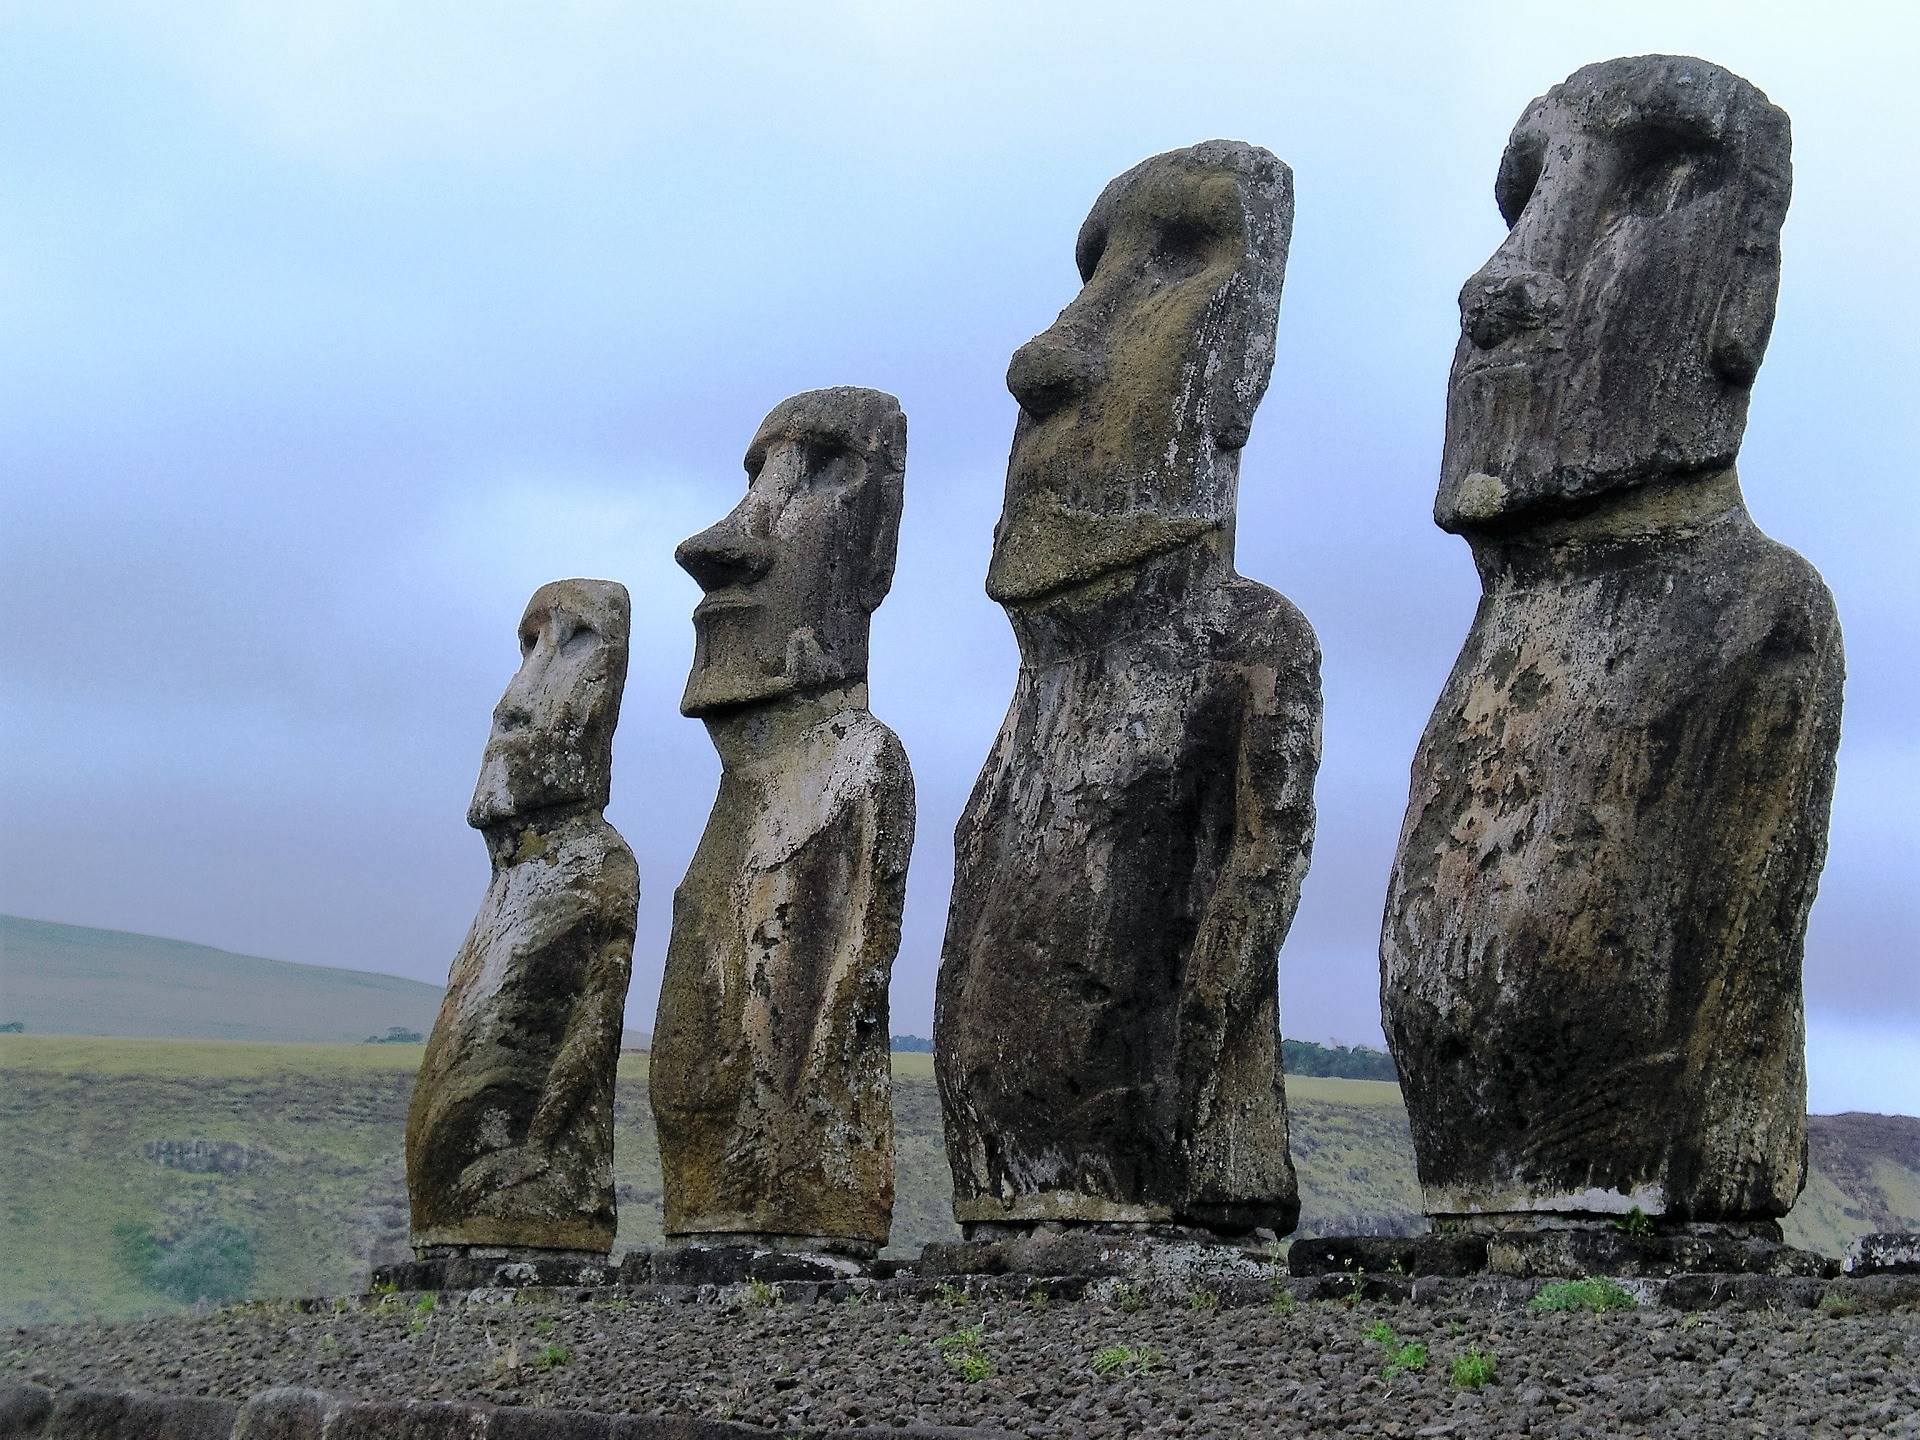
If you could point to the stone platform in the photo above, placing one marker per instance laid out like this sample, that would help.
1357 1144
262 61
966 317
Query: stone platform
34 1412
477 1269
1887 1253
1566 1252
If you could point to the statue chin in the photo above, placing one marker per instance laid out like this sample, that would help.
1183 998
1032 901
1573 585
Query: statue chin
1045 549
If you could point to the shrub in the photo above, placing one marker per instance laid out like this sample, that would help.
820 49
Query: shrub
1594 1294
1473 1369
209 1260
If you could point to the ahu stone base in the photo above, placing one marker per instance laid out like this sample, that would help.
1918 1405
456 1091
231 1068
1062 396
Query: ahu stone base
1568 1251
1139 1252
478 1268
1887 1253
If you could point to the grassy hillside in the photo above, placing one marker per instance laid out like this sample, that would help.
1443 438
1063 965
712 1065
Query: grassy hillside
118 1149
74 980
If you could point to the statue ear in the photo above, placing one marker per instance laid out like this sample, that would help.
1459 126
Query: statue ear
1745 318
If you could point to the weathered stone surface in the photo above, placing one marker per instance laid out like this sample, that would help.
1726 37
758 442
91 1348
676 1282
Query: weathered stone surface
475 1268
510 1132
1887 1253
1451 1255
1106 1026
24 1410
1605 1251
131 1415
1590 959
772 1092
1153 1254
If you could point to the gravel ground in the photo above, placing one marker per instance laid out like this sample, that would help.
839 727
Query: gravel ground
1312 1370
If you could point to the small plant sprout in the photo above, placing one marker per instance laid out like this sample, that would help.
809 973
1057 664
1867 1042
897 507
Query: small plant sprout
552 1356
1402 1355
1473 1369
965 1353
1283 1301
543 1326
1409 1358
1130 1298
970 1365
1634 1224
1127 1359
1038 1297
424 1304
971 1337
760 1293
1203 1299
950 1295
1595 1295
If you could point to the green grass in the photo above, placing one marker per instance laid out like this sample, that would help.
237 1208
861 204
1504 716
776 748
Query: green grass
1594 1295
1473 1369
1124 1358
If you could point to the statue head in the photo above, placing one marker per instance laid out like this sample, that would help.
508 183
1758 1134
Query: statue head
552 741
1135 403
1614 336
793 575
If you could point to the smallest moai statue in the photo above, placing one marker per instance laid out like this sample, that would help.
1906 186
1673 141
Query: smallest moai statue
510 1133
772 1092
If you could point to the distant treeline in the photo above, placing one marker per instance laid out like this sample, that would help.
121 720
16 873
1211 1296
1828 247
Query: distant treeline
1341 1062
1297 1057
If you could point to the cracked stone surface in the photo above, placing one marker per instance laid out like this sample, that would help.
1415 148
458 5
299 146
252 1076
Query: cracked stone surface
1591 952
771 1083
510 1130
1106 1023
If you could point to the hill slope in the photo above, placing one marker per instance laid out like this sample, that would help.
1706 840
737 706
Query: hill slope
74 980
292 1155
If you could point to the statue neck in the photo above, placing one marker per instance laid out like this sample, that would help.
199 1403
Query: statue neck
1619 529
1122 602
526 837
747 734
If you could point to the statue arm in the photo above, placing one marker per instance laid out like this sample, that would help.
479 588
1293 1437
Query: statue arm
1230 982
583 1065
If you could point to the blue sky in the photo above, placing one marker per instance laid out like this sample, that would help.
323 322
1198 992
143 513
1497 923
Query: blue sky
331 331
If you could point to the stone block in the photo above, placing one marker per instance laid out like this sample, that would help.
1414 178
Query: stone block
1885 1253
132 1415
24 1410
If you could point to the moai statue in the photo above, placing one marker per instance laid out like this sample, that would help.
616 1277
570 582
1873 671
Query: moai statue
1106 1034
772 1092
1590 960
510 1133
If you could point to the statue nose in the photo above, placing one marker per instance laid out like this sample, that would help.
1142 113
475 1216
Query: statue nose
724 555
1503 301
1047 373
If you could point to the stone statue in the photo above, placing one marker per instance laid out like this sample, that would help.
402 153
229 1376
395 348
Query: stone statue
510 1132
1590 960
1106 1034
772 1092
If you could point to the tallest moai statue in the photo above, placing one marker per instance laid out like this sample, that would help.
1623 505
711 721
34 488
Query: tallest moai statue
1590 961
1106 1034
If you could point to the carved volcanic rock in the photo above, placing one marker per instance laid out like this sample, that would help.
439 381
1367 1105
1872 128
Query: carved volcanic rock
510 1131
1106 1031
1590 960
772 1093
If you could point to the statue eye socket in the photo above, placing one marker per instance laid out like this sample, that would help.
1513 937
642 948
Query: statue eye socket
1665 168
1519 177
528 639
1182 243
583 637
